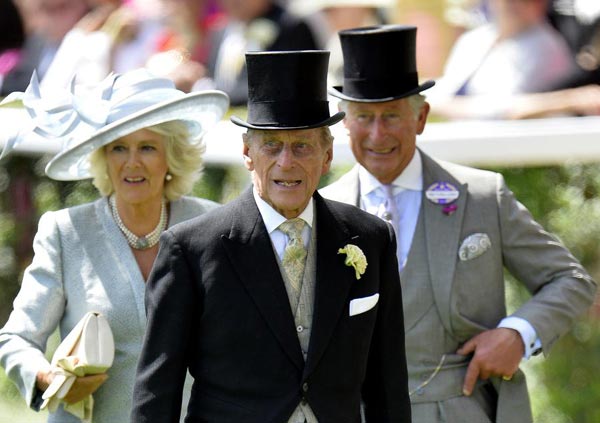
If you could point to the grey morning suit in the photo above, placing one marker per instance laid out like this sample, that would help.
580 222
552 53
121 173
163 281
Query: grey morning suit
448 300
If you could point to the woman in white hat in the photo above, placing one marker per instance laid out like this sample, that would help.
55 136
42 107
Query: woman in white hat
139 139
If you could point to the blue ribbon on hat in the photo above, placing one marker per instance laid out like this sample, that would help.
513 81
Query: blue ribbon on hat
73 118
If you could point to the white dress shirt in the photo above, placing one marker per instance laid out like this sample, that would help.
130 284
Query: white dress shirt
273 219
407 189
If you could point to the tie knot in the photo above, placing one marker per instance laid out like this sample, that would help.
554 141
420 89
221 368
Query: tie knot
388 191
292 228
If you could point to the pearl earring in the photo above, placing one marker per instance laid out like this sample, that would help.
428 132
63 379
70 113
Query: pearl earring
168 177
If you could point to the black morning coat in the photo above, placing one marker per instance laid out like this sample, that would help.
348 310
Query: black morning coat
217 305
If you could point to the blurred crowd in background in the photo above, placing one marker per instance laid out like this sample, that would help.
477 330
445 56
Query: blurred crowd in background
501 58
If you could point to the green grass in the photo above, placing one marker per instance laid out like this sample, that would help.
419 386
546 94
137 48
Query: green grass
12 405
13 408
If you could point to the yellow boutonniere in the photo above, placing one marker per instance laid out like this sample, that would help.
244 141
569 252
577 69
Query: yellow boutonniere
355 258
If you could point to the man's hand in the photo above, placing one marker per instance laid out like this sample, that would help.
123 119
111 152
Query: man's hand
496 352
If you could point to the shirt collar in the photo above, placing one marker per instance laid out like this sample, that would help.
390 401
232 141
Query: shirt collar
273 219
411 177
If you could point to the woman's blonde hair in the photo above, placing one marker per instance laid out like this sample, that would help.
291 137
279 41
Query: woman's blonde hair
184 161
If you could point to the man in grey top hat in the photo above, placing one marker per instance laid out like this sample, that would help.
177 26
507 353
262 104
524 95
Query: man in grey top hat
458 228
283 306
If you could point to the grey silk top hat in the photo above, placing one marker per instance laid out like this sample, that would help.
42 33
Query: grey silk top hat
119 105
287 90
379 64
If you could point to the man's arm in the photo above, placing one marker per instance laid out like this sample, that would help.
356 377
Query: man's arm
561 291
385 390
170 301
561 288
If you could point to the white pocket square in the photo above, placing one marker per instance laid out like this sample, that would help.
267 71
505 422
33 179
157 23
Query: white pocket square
473 246
361 305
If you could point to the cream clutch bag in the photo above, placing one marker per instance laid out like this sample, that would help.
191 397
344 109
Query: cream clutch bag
88 349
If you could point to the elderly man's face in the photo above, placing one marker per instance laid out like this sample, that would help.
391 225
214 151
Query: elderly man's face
287 166
383 135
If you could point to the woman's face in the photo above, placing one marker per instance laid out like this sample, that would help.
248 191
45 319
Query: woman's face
137 165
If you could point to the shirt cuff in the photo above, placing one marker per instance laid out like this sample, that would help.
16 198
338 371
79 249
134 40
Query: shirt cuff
533 345
37 400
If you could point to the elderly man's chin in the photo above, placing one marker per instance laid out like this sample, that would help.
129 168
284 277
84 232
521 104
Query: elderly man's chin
289 203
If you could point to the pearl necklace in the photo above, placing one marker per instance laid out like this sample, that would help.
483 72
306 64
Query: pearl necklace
146 241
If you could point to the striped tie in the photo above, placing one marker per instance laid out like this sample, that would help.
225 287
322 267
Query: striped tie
294 255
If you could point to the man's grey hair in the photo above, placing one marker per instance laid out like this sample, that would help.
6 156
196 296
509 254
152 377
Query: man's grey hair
326 137
415 101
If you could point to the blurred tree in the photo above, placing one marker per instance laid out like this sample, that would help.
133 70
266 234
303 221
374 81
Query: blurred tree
566 201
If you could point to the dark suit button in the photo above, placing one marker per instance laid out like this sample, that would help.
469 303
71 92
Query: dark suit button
304 402
305 387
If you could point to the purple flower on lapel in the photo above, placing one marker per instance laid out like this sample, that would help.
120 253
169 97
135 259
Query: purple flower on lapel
449 209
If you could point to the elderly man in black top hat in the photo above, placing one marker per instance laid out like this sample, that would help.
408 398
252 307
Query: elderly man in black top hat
457 229
283 306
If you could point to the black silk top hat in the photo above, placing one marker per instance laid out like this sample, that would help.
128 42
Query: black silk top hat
379 64
287 90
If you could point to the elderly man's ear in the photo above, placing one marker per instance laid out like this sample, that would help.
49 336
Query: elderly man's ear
422 118
247 160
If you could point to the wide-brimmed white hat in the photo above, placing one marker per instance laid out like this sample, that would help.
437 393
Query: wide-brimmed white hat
118 106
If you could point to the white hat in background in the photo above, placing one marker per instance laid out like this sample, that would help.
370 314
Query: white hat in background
119 105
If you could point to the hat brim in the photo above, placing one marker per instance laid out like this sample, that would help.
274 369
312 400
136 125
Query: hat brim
339 93
327 122
200 111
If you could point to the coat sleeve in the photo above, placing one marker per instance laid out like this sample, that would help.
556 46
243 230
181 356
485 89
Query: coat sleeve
561 288
37 311
385 390
170 304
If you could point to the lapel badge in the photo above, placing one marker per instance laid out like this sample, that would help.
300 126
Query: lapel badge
442 193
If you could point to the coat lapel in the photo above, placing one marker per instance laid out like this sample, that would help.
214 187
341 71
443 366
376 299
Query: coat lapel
442 234
251 253
331 290
346 189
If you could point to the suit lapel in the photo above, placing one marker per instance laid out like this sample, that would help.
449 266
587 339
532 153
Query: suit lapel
331 290
251 253
346 189
442 234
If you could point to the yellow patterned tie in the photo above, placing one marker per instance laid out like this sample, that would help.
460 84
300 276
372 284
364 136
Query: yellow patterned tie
294 255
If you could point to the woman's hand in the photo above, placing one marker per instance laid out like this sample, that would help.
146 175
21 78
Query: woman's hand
43 380
84 386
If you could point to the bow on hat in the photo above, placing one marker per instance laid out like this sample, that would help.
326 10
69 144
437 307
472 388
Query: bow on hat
74 117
